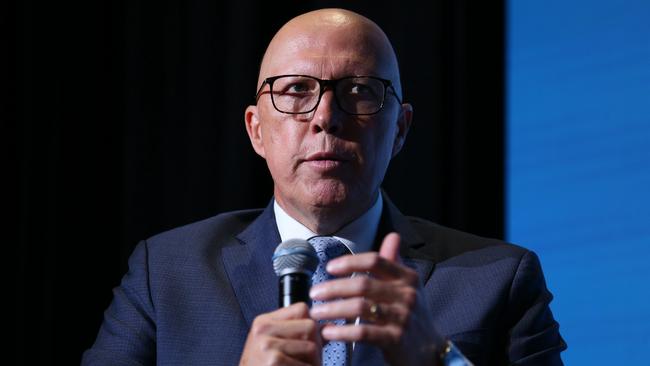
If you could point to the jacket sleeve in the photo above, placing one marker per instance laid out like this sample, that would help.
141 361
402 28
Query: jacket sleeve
534 334
128 333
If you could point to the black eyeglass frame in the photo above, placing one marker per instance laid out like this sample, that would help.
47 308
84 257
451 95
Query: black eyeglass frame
323 85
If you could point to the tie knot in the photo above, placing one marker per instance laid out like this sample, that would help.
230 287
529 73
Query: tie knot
328 247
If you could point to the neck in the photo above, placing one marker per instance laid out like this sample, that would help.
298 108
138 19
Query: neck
326 220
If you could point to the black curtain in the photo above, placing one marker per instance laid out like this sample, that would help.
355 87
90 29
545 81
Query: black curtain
125 118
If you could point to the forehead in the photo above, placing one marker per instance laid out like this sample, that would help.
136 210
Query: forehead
326 52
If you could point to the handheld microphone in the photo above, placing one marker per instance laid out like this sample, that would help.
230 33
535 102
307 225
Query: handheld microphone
294 261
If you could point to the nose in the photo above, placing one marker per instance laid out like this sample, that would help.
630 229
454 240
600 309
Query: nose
327 116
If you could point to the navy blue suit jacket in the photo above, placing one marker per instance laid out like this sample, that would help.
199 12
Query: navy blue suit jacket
191 294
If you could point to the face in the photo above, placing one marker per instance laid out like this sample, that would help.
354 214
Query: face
327 159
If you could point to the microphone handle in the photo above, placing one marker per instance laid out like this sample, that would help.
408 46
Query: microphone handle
294 288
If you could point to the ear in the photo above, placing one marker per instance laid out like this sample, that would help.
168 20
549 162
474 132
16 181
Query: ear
403 124
254 129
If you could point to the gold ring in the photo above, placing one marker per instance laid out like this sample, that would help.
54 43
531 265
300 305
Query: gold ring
375 312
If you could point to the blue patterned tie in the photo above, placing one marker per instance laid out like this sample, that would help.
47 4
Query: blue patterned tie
327 248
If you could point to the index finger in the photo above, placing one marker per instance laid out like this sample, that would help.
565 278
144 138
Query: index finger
295 311
372 263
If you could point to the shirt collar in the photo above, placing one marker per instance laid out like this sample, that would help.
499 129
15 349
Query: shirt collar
358 236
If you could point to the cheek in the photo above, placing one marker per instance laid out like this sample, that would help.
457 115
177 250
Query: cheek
282 144
378 148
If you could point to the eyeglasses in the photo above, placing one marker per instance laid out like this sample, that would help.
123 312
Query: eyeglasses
356 95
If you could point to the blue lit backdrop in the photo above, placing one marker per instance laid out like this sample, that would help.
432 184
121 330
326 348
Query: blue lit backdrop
578 167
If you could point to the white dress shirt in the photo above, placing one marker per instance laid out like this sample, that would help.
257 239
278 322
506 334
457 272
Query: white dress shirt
358 236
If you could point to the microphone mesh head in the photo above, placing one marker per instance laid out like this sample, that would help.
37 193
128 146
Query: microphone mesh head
295 256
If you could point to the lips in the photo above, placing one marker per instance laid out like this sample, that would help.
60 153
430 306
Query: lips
326 160
326 155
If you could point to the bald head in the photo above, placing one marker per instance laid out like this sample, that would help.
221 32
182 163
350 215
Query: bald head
329 43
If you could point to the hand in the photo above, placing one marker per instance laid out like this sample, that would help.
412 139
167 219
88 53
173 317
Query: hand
388 301
286 336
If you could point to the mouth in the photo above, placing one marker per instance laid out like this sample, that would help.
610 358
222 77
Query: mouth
325 160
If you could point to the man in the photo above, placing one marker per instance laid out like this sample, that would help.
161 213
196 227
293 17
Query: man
328 120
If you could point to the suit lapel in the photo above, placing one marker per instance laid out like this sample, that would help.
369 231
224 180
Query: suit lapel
249 266
392 220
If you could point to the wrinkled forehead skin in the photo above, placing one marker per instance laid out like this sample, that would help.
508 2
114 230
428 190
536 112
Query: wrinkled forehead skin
331 43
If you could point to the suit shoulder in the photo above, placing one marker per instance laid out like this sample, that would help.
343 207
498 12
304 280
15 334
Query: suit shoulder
444 242
216 229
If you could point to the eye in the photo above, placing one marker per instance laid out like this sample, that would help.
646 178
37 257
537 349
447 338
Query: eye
293 86
297 87
359 89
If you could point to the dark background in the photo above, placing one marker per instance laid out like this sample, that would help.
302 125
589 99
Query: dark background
125 118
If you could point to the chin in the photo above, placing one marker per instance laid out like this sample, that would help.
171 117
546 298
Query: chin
328 194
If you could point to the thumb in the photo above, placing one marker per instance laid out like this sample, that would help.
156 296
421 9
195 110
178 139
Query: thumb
390 247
